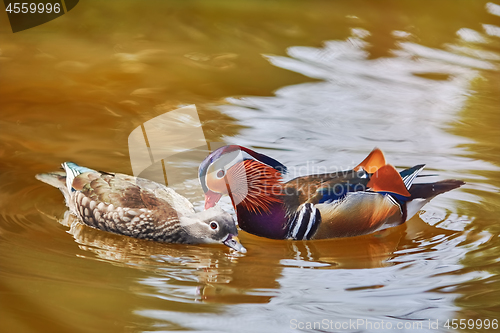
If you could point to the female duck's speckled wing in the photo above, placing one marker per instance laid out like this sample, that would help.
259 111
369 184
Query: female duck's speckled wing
132 192
128 205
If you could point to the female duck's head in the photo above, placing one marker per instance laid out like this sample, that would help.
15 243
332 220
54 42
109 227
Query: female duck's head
212 226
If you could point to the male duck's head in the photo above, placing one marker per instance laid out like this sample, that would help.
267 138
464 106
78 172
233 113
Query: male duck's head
249 178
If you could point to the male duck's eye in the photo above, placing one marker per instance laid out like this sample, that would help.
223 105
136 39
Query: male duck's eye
220 174
214 225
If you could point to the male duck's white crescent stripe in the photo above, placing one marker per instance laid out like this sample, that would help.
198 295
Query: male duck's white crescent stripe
298 222
394 202
305 222
310 224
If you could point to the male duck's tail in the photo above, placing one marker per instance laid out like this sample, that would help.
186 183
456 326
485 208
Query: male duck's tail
430 190
423 193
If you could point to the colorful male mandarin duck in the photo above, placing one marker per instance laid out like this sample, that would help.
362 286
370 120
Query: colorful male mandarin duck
372 196
139 208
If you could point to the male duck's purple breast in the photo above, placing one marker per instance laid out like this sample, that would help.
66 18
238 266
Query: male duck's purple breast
270 225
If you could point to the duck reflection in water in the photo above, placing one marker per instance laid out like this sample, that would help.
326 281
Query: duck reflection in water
236 278
216 277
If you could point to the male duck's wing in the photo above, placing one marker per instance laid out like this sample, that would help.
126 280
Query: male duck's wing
330 187
322 188
334 187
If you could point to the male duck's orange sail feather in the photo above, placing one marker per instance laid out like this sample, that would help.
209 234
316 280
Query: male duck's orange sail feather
387 179
374 161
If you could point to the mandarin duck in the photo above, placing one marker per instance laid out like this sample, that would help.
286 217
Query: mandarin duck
371 197
139 208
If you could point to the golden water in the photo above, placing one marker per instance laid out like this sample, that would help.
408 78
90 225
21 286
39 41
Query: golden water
315 84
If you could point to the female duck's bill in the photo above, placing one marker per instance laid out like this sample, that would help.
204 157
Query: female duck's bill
234 243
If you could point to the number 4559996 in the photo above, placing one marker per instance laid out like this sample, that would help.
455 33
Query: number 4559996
471 323
32 7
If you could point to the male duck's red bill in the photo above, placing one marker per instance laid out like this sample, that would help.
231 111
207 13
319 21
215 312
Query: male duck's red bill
371 197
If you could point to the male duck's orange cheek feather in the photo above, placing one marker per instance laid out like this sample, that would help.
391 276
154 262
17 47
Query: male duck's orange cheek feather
254 185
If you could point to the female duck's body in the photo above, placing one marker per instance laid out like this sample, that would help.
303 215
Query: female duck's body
139 208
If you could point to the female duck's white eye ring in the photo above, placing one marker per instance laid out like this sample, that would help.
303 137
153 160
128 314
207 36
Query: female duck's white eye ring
214 225
220 173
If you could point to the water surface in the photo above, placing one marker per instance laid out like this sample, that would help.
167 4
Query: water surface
314 84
